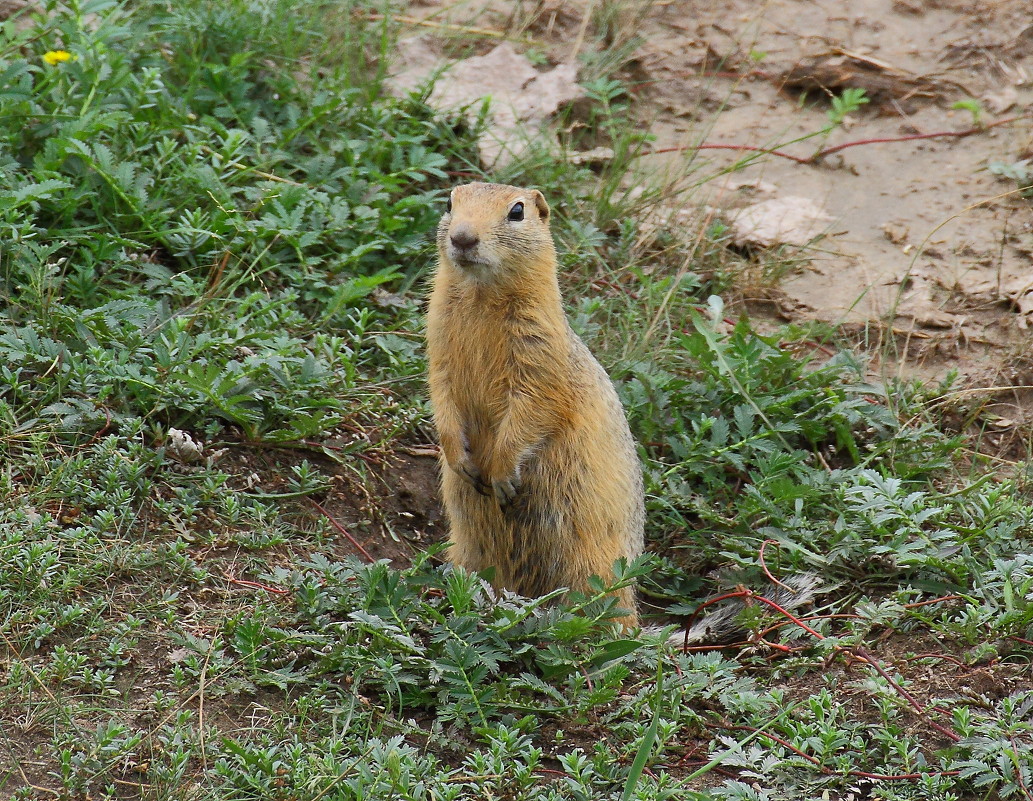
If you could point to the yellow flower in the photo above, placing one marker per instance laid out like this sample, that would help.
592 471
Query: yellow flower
53 57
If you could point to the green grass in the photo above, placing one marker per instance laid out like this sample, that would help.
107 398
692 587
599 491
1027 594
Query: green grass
199 214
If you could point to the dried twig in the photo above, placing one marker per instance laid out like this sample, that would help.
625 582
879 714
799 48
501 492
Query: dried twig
863 774
449 26
582 30
825 151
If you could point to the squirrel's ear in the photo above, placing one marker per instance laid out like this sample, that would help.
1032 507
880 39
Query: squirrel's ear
541 205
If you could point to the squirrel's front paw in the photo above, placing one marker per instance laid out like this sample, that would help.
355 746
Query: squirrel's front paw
470 473
506 490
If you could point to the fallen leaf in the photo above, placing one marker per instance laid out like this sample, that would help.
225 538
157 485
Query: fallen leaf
183 448
1000 102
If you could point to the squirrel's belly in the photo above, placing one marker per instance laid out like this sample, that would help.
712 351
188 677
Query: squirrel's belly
568 522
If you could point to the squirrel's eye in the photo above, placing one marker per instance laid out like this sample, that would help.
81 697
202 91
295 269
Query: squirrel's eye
448 206
516 213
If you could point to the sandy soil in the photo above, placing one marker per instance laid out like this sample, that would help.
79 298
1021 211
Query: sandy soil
920 235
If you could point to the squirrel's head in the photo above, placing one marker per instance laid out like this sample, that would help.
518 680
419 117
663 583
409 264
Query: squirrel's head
489 230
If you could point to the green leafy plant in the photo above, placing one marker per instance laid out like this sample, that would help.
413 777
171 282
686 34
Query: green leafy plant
973 107
846 102
1021 172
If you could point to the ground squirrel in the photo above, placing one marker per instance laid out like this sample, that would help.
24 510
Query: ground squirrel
540 476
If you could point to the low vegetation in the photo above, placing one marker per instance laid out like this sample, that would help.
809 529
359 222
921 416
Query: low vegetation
214 221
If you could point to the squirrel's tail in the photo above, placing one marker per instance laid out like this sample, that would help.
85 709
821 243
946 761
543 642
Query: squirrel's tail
721 625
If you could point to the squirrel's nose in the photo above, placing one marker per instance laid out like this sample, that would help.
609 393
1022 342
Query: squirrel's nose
464 238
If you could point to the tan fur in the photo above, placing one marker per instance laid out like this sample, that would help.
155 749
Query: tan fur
540 477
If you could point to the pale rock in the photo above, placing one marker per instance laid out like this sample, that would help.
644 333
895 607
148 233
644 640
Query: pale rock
519 96
788 220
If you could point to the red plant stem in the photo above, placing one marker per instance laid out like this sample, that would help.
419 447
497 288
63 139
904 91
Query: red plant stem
764 567
933 601
711 602
104 429
1018 770
862 654
342 530
588 679
784 743
789 615
705 311
607 283
749 594
777 626
256 585
826 151
777 646
1019 639
719 146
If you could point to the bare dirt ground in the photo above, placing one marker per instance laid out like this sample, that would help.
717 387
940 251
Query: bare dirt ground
922 236
921 247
